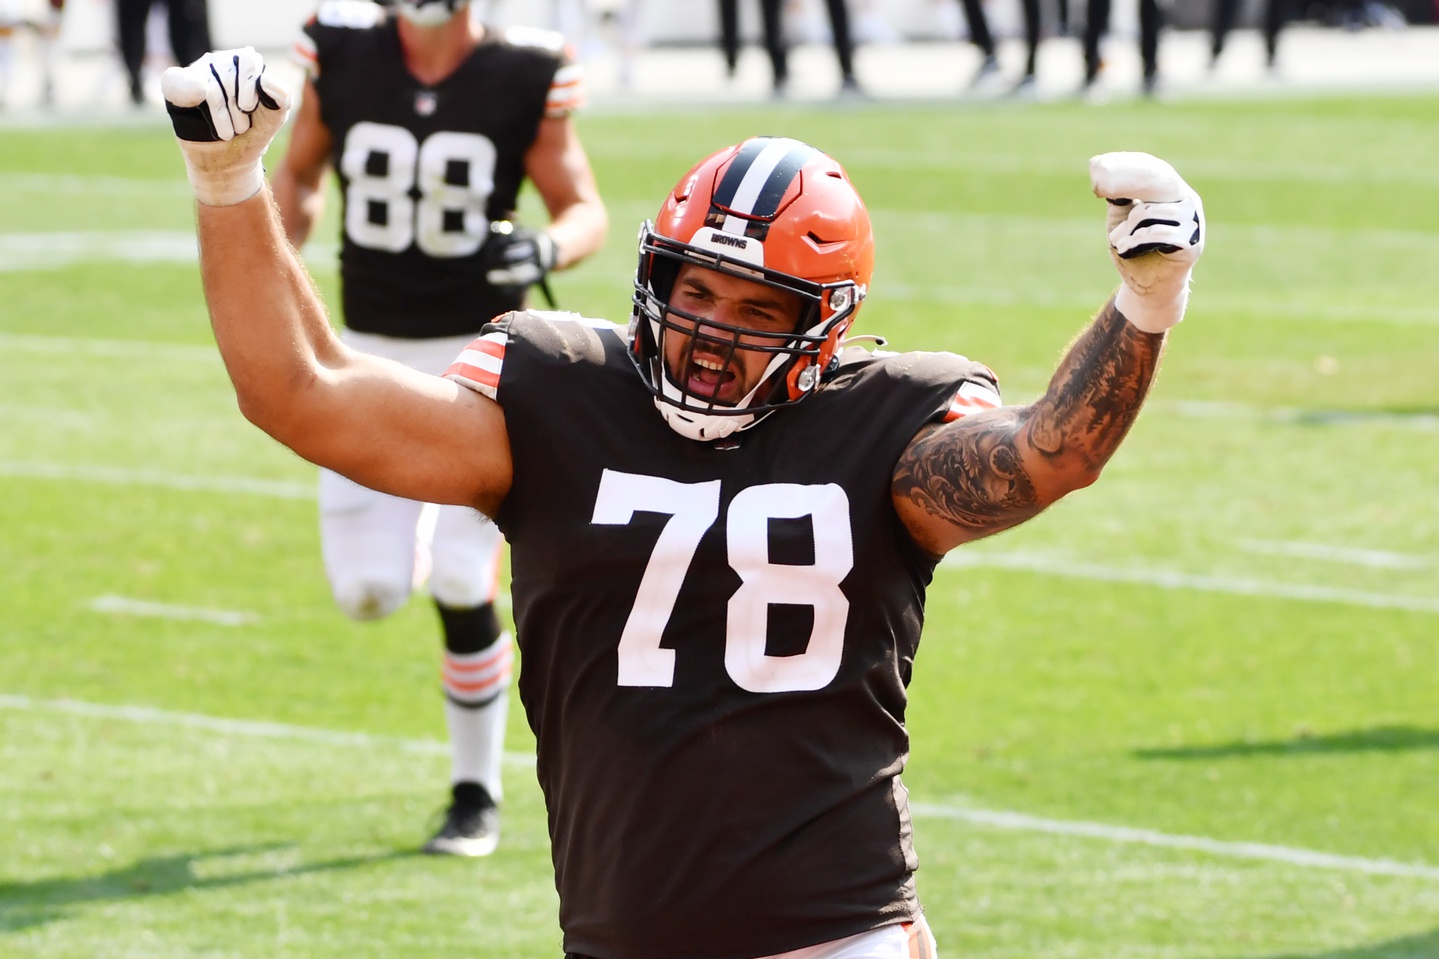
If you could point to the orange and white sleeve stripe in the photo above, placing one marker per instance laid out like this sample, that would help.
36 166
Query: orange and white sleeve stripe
305 55
972 397
478 366
567 91
473 679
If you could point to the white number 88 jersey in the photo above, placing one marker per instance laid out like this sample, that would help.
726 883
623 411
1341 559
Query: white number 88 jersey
424 169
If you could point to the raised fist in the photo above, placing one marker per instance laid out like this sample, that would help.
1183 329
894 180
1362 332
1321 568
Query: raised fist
1155 223
225 111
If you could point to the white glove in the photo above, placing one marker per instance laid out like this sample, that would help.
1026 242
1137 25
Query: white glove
225 111
1156 233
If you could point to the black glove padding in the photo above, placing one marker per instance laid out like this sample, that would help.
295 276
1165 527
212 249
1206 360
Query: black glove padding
516 256
225 109
197 125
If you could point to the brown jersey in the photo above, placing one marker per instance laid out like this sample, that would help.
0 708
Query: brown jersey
716 640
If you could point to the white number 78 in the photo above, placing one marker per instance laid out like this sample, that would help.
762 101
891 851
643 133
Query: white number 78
693 509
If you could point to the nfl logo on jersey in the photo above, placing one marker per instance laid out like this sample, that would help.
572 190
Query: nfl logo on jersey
425 102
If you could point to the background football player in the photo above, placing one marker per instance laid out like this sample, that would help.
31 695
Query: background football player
432 121
189 30
722 522
12 17
42 17
1096 27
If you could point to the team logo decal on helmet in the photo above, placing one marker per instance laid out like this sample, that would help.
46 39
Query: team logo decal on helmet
774 211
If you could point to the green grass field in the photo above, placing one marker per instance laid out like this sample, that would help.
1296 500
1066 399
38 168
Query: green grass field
1191 713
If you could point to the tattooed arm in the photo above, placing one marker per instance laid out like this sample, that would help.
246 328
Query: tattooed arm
986 472
989 471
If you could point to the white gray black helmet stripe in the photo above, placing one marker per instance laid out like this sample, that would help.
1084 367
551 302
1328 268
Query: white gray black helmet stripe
759 176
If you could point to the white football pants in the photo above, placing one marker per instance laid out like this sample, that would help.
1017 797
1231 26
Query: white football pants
378 548
909 940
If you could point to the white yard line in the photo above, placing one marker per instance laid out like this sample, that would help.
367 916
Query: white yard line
122 606
103 186
1206 409
53 251
1164 579
1303 858
236 727
90 346
49 415
25 252
1290 308
113 476
1371 558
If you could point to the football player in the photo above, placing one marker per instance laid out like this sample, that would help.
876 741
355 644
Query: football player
722 518
772 17
1276 14
189 26
1096 25
431 122
1033 31
980 35
12 16
42 17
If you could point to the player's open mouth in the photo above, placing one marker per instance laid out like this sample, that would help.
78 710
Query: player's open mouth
711 379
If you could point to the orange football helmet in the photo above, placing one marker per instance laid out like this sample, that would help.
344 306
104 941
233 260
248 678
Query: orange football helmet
771 210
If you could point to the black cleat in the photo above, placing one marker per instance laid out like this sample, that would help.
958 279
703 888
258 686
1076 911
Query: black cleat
472 824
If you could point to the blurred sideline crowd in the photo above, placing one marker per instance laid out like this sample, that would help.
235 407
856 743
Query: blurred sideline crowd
148 35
